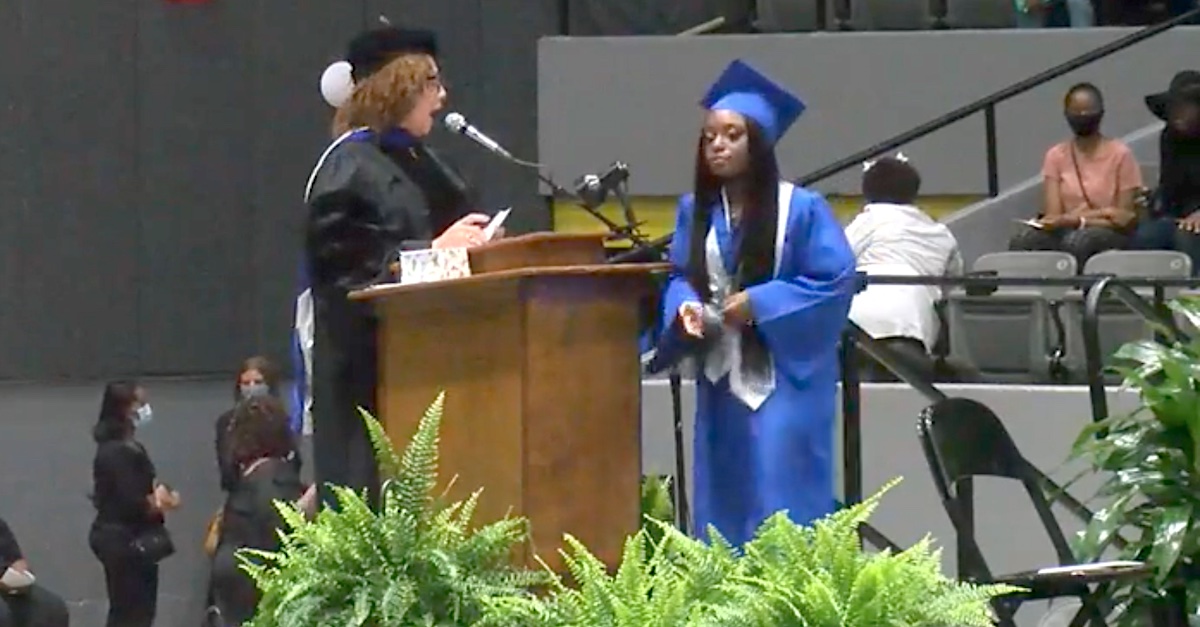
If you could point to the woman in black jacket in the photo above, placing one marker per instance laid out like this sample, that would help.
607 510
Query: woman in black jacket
260 442
128 535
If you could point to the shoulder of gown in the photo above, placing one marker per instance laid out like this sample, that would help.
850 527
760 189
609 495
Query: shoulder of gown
350 167
345 230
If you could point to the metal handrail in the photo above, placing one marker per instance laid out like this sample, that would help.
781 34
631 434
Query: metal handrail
1093 362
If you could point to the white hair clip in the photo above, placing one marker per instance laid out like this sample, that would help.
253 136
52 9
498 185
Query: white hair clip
870 163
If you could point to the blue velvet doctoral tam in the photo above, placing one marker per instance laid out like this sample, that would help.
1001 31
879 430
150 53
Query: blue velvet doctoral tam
749 463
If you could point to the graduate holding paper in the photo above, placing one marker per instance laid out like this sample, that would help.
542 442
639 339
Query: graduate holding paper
761 286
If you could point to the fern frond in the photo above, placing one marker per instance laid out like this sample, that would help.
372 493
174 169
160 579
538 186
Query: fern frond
418 465
386 457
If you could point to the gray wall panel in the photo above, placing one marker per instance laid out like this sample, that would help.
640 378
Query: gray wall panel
15 187
291 127
79 240
634 99
196 108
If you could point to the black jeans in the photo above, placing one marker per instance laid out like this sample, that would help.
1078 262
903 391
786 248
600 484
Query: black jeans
1080 243
132 592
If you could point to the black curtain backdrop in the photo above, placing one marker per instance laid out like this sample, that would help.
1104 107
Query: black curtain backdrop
153 157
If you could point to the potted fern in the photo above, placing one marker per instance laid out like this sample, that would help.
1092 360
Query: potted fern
1150 463
414 561
789 575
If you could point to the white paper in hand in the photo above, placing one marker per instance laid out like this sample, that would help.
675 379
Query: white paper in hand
17 579
489 231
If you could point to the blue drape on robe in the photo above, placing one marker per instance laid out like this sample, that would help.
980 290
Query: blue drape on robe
749 464
300 391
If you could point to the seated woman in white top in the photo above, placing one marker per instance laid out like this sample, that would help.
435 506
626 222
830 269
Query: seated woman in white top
892 236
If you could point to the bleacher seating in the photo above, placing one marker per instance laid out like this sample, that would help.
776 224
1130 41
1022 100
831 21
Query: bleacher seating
801 15
984 328
1118 324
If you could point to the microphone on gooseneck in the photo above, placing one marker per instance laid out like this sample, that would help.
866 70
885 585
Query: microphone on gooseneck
459 124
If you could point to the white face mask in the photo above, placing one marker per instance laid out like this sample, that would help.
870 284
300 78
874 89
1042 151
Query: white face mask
144 416
253 390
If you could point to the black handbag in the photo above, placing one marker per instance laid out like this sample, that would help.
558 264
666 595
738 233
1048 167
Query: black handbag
153 545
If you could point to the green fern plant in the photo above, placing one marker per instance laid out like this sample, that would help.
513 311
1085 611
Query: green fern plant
819 576
789 575
656 506
412 562
673 582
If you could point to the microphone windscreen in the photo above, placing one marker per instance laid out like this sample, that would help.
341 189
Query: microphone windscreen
455 122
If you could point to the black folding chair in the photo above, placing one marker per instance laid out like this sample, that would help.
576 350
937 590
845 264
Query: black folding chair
874 537
963 439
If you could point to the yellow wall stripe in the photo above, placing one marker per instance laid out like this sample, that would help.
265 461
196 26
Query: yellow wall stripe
658 212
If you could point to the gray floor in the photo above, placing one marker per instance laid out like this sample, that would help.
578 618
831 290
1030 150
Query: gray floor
46 451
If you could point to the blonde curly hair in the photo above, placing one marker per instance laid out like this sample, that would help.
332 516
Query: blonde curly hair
385 98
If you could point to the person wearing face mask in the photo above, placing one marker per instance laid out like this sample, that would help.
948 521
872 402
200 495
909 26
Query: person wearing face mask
1089 184
128 535
376 190
256 378
761 284
1174 220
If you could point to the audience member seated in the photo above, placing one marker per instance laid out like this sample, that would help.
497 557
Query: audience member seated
892 236
1174 219
1048 13
24 603
1089 185
261 442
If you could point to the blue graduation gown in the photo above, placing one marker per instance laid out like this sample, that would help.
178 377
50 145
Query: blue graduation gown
749 464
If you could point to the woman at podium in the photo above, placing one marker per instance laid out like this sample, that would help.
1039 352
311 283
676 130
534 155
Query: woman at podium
759 295
376 189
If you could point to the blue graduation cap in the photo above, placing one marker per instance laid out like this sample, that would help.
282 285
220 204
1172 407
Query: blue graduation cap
744 90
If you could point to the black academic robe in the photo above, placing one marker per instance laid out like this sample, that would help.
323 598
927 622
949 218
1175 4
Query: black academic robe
371 196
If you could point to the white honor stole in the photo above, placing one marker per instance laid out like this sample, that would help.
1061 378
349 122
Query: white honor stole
725 355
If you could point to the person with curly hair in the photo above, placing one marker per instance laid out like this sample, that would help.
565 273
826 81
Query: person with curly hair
261 442
378 189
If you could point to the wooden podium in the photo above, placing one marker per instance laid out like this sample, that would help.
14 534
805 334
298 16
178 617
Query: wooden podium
537 353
